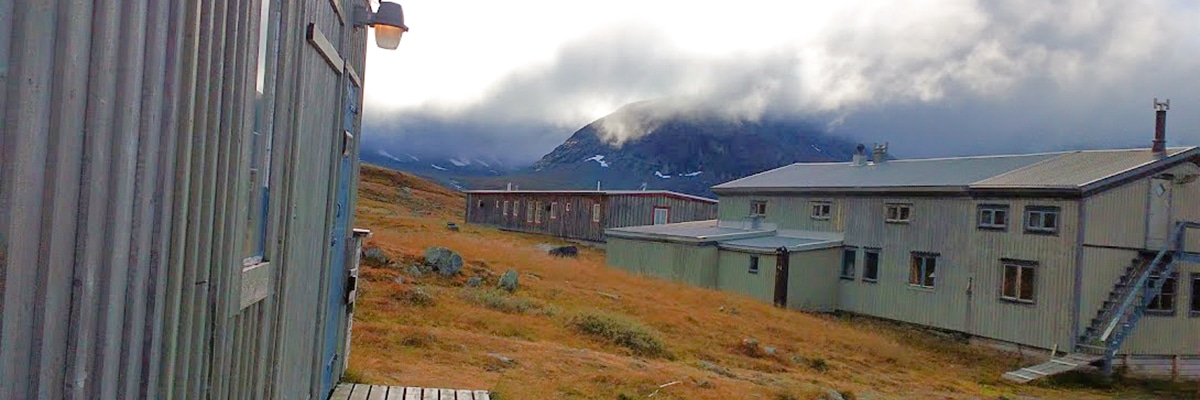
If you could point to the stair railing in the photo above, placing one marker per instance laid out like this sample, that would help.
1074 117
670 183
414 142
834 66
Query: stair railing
1143 291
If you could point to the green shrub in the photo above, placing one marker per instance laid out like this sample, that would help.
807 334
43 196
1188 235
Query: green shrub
499 300
622 332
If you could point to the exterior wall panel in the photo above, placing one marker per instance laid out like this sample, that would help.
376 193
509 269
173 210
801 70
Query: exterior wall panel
123 196
812 280
733 275
694 265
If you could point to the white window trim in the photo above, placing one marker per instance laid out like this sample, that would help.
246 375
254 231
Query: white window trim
754 208
753 268
820 210
506 208
554 210
1020 271
898 206
853 264
666 215
877 254
1174 299
923 272
596 212
992 209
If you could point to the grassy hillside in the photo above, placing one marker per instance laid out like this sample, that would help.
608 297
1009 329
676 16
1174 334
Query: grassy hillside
577 329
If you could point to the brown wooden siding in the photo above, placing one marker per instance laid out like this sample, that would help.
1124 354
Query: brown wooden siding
573 217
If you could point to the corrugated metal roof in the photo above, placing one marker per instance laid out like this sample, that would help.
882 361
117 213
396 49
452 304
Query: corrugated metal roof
1043 170
596 192
694 230
1076 169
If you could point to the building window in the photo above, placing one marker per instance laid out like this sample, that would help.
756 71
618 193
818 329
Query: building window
566 207
497 204
662 215
1019 281
1164 303
1041 219
261 136
506 208
898 213
993 217
1195 308
870 265
753 264
596 212
529 211
820 209
481 204
537 213
922 271
848 259
758 208
554 210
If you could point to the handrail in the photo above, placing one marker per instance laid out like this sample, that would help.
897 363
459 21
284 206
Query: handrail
1174 244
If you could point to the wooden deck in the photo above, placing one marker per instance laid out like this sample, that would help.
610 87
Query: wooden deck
359 391
1054 366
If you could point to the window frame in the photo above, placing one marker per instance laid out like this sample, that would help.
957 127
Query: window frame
537 212
758 208
506 208
529 211
866 252
820 210
753 268
1042 211
928 276
1021 267
654 215
596 212
992 209
566 207
257 240
1194 305
554 210
901 217
1174 296
849 267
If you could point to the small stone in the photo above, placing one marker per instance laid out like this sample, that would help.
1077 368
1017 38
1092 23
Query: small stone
831 394
445 261
452 226
769 350
415 270
750 342
508 281
405 192
502 359
474 281
399 279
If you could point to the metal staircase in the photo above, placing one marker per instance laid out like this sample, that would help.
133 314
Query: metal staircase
1119 314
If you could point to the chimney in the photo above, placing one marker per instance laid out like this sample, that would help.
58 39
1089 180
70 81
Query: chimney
1160 126
860 156
879 153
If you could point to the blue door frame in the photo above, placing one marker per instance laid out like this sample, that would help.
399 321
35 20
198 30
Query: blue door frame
340 239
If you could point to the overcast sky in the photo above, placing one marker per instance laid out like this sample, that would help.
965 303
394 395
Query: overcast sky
934 78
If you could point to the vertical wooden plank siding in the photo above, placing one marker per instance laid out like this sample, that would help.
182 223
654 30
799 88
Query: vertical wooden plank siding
617 210
124 188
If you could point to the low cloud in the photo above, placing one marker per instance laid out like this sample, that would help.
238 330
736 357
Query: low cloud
943 79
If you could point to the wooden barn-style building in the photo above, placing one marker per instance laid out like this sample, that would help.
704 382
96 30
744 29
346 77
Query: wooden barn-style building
583 214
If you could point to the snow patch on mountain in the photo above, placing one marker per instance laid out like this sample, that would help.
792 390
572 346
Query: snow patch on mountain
458 163
599 159
661 176
689 174
388 155
435 166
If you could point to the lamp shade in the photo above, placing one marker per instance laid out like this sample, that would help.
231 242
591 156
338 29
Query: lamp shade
387 36
389 25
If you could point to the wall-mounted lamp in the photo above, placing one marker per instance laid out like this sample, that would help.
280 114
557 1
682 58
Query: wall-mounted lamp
388 22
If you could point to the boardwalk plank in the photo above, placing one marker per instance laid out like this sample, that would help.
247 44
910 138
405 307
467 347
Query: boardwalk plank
412 393
360 392
429 394
446 394
482 395
463 395
395 393
342 391
378 393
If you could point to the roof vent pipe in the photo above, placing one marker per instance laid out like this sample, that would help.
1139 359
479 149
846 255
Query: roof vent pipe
1160 126
879 153
860 156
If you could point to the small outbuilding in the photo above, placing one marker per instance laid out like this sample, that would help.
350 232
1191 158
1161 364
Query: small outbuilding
583 214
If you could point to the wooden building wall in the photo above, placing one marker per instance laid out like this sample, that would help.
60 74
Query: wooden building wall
573 211
124 196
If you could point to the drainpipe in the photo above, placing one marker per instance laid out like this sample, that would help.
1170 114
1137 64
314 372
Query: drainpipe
1077 310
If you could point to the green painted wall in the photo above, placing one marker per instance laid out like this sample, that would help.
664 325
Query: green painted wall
695 265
